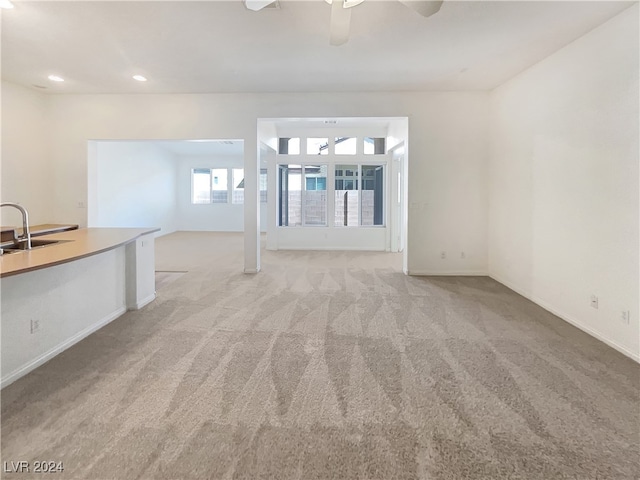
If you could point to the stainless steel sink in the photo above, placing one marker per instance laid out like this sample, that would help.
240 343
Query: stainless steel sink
35 243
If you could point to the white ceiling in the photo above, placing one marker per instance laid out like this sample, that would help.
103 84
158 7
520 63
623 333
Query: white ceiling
220 46
231 148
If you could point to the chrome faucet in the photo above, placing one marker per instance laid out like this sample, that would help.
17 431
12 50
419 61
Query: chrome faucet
26 235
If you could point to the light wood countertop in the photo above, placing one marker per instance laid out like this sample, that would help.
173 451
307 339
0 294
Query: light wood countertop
47 228
76 244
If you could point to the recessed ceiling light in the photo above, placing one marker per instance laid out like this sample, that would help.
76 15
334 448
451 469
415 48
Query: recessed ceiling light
140 78
55 78
6 4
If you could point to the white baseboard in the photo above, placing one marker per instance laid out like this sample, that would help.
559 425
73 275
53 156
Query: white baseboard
143 302
435 273
321 248
45 357
569 319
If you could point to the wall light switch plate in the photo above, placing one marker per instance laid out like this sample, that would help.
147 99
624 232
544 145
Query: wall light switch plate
625 317
35 325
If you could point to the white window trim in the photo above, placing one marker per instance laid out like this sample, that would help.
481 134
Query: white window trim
364 160
331 160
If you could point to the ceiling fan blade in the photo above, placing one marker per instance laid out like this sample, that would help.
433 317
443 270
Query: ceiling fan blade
256 5
340 20
424 8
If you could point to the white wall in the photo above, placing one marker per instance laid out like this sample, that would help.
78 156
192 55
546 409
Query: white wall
136 186
26 158
563 210
220 217
447 164
69 301
46 311
397 132
447 186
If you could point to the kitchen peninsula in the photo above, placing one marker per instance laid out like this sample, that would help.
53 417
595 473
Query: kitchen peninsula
54 296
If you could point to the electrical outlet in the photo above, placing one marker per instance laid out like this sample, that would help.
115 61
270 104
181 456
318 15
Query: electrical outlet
443 255
594 301
35 325
625 317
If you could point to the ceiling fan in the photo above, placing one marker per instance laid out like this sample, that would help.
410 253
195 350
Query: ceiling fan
341 13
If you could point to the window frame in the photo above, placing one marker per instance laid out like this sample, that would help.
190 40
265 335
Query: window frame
235 189
303 194
305 190
385 192
358 159
263 179
359 179
199 171
229 187
228 196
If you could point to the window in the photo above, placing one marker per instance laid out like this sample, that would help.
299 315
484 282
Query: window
345 145
372 206
356 188
315 197
237 195
263 185
354 207
302 195
317 146
346 196
290 195
374 145
288 146
200 185
315 183
210 185
219 185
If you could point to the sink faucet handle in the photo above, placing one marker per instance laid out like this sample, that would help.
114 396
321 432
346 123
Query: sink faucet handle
26 234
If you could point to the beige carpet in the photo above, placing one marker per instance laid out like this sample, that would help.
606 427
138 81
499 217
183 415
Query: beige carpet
327 365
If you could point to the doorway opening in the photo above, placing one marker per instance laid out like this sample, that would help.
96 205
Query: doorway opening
177 185
335 184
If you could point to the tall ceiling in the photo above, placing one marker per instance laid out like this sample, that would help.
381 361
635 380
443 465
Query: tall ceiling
220 46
